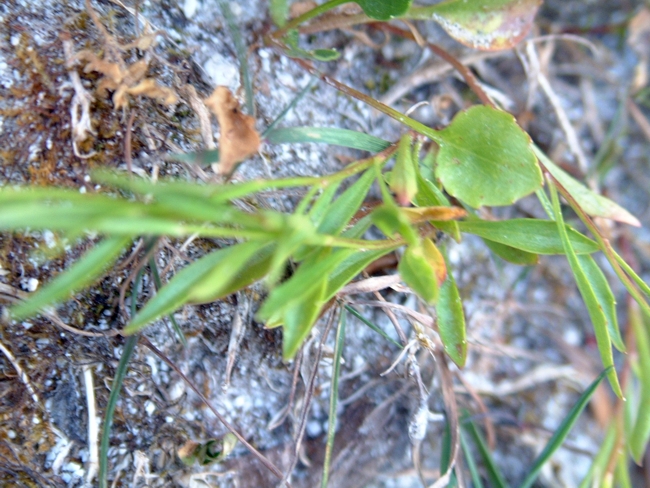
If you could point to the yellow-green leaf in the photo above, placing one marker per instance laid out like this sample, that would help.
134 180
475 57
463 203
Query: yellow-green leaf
485 158
488 25
451 322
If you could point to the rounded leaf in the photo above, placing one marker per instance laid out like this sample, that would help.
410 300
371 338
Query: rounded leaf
485 24
384 9
485 158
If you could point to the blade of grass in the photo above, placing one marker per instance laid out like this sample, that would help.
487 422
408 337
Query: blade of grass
445 456
494 474
290 106
85 271
596 313
372 326
562 431
599 464
158 282
116 387
334 397
640 433
242 54
327 135
471 463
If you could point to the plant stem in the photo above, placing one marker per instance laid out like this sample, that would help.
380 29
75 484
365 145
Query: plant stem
391 112
321 9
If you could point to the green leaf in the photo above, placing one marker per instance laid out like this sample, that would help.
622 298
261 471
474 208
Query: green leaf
640 434
512 254
451 322
325 55
390 220
494 474
430 196
299 318
403 178
485 158
336 218
384 9
348 269
334 397
206 278
218 277
471 463
327 135
82 273
309 276
530 235
562 431
374 327
279 11
592 203
299 230
483 24
598 317
416 271
604 296
319 208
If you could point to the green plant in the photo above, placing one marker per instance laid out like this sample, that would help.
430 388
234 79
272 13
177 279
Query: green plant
482 158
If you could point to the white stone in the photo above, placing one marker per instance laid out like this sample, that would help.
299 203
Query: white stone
32 284
190 7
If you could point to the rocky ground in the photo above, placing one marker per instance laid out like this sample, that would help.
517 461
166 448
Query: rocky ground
532 349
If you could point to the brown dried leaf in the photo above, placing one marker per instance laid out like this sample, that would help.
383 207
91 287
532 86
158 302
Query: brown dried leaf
120 99
110 70
136 72
149 88
417 215
238 139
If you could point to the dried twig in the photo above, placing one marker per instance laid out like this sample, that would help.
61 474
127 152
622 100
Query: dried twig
264 460
308 396
93 425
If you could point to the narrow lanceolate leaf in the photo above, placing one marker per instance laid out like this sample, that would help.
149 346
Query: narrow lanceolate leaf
512 254
337 216
562 431
494 474
416 271
485 158
604 296
211 273
85 271
592 203
403 182
418 215
384 9
304 281
279 11
436 260
598 317
299 318
451 322
351 267
327 135
640 433
488 25
217 278
530 235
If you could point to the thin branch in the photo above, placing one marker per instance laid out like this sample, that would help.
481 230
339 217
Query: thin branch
264 460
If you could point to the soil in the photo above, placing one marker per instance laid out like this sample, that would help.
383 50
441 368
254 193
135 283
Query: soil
531 345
